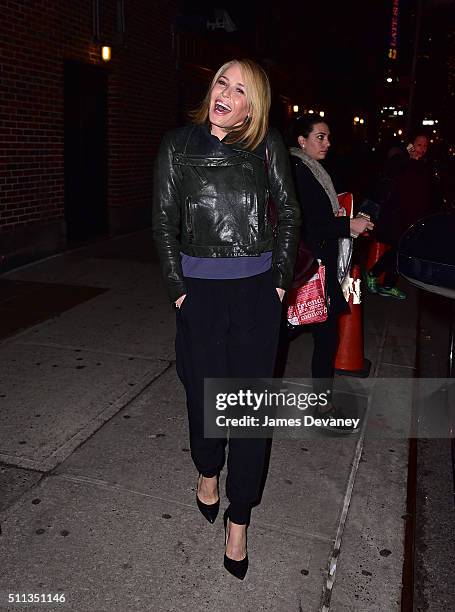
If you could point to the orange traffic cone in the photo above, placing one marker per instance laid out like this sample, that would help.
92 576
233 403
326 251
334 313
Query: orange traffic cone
376 251
350 359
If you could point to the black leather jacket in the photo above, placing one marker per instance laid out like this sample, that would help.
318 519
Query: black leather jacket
211 200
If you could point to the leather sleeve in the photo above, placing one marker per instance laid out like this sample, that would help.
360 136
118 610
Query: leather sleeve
167 194
288 210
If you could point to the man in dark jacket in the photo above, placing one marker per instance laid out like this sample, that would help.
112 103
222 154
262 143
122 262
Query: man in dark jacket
405 196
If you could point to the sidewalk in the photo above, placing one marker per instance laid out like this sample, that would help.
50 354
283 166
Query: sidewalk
97 485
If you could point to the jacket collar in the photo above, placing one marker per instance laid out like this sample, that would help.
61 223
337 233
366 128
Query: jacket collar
201 142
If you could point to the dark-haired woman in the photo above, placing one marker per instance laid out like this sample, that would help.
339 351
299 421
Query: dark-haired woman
327 234
226 270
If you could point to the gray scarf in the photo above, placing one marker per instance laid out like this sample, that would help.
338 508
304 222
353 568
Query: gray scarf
323 178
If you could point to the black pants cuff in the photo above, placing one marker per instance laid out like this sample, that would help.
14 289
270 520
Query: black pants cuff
239 513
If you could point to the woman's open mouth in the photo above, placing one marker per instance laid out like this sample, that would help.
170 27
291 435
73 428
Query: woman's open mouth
221 108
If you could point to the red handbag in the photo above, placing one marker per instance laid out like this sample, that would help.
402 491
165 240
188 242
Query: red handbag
308 304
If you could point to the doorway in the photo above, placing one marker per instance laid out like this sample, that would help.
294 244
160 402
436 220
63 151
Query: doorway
85 150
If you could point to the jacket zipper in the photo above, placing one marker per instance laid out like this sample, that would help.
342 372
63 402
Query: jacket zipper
189 218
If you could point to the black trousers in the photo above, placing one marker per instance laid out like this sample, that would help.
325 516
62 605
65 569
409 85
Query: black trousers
325 344
227 329
325 338
387 264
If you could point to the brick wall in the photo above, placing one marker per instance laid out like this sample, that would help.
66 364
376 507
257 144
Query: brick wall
37 36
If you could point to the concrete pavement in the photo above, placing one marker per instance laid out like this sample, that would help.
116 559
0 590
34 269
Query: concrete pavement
98 486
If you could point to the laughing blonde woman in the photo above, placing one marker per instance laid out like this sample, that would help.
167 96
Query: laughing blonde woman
226 270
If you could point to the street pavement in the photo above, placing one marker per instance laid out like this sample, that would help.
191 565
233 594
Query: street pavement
97 487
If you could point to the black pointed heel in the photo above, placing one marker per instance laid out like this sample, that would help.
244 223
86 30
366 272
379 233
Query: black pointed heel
208 511
237 568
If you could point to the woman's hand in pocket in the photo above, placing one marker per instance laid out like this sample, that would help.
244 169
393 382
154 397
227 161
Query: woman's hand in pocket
179 302
281 293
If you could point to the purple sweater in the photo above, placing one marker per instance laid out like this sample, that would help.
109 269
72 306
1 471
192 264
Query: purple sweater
225 267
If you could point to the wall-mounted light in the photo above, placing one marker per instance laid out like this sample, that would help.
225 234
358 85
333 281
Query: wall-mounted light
400 132
295 108
106 54
310 112
389 79
362 120
321 114
356 119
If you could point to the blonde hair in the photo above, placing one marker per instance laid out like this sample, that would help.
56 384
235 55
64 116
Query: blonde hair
257 89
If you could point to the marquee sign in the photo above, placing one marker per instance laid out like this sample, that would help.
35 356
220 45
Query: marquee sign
393 42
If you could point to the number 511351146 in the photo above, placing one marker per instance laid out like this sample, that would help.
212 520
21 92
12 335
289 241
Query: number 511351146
36 598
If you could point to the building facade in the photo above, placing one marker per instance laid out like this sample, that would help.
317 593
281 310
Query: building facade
78 134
